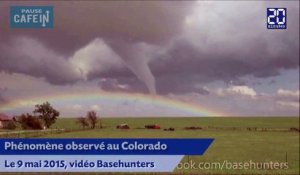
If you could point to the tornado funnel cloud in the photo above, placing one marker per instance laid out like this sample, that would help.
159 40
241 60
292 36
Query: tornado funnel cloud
141 69
135 59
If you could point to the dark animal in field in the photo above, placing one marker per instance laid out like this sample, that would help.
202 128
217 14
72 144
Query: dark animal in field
193 128
295 129
169 129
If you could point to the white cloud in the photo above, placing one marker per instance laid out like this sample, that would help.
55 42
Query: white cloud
288 104
28 102
123 86
95 108
97 56
287 98
290 93
238 90
77 107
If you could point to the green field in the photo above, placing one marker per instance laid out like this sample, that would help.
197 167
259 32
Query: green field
236 139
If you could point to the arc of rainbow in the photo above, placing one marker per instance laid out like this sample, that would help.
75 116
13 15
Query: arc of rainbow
192 108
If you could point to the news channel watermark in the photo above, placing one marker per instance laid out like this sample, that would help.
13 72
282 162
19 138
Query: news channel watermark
276 18
31 16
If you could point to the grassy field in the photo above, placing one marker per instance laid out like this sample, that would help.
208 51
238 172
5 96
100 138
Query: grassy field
236 139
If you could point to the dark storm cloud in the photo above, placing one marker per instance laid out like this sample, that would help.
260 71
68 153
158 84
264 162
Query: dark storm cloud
219 45
123 85
179 84
119 23
164 86
216 49
77 23
28 56
2 98
185 64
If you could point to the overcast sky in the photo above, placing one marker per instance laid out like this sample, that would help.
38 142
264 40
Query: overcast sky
218 54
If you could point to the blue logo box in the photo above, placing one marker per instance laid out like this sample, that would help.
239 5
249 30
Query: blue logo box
31 16
276 18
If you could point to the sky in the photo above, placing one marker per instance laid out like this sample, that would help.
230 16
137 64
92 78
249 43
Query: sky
191 58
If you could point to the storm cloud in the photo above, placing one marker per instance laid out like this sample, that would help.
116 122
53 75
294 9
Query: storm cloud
165 47
121 24
2 98
219 44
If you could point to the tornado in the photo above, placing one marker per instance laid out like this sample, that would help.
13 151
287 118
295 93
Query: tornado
135 58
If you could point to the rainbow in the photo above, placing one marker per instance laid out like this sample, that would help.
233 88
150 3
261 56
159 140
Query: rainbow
189 107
